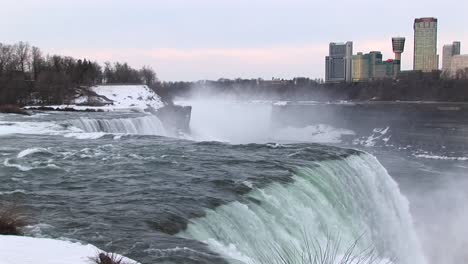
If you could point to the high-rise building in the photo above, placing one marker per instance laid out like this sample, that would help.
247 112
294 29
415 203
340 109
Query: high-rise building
449 51
425 44
447 54
338 64
456 48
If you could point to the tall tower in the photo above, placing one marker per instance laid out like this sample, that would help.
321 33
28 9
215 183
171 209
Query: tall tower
425 44
398 45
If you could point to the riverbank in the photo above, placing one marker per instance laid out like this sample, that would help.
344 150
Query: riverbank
13 109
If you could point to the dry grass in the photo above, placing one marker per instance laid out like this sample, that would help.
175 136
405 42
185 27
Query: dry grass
314 252
108 258
11 220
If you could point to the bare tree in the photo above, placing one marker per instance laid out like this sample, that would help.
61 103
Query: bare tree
6 58
37 61
148 75
22 54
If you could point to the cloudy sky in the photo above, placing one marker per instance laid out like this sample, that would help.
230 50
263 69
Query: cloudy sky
210 39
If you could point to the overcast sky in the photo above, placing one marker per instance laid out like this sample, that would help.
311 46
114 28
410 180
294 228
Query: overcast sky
210 39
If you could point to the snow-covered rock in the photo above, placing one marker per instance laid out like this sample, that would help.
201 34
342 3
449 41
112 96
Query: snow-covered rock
28 250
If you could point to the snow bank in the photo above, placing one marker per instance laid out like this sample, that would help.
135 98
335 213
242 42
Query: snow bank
28 250
129 96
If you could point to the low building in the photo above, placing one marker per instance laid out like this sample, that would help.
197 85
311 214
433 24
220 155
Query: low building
361 67
459 66
387 69
370 66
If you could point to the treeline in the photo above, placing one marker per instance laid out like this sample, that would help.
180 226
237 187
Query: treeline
27 76
409 87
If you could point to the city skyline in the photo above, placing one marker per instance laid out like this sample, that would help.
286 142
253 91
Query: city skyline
210 39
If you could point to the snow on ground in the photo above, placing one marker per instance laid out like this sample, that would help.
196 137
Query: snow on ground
129 96
28 250
115 98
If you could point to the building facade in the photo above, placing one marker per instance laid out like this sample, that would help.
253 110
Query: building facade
371 67
338 64
361 67
447 54
425 45
459 67
456 48
449 51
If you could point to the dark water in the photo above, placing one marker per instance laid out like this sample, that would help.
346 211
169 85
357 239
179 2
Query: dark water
133 194
136 194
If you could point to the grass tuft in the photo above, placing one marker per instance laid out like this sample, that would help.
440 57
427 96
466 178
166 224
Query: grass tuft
108 258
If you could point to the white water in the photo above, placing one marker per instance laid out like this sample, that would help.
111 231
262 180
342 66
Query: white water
348 198
31 128
321 133
147 125
31 151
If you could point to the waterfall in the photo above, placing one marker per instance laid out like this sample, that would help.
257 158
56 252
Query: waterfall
353 199
146 125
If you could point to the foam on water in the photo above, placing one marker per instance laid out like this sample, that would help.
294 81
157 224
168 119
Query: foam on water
30 151
317 133
8 163
437 157
85 128
31 128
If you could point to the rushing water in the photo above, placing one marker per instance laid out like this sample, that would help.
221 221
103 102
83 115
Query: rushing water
117 181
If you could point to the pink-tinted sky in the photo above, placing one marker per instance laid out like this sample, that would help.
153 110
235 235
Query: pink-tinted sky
211 39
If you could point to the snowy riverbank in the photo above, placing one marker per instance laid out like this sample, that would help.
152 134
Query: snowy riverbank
28 250
113 98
